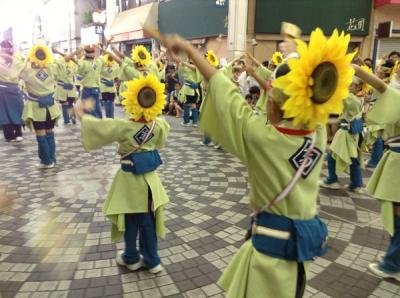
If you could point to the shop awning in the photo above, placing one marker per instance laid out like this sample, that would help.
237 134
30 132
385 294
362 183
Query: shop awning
385 2
128 24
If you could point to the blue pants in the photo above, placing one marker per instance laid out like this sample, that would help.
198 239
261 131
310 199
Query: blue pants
355 172
44 150
391 261
94 94
186 114
377 152
65 107
144 223
109 107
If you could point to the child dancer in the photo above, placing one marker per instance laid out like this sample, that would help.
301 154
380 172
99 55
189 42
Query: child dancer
136 201
345 148
273 262
40 111
65 91
384 183
108 72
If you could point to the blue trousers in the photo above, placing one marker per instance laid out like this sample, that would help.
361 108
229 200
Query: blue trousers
377 152
144 224
44 150
109 107
186 114
65 107
94 94
391 261
355 172
52 146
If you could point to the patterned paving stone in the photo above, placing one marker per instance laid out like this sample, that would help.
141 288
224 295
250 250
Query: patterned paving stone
55 241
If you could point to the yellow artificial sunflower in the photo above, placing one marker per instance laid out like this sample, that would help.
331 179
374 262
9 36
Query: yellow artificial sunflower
108 60
144 97
319 80
366 87
141 56
277 58
40 55
160 66
212 58
394 69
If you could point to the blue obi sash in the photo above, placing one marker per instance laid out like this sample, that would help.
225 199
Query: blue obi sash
395 149
354 127
192 85
289 239
43 101
141 162
108 83
66 86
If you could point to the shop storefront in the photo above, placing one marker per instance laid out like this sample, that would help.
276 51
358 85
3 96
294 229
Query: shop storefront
202 22
266 16
127 27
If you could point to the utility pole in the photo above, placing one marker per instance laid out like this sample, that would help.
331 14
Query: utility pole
237 27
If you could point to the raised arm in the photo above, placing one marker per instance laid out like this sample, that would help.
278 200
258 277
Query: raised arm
117 53
252 72
370 79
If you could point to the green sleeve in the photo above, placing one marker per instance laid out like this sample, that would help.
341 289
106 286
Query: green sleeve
81 68
97 133
225 114
163 132
263 72
228 70
386 110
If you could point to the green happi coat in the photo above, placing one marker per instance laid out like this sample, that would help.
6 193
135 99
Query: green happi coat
128 72
344 145
39 82
373 129
384 183
261 105
189 75
267 153
108 72
64 72
90 71
128 192
12 74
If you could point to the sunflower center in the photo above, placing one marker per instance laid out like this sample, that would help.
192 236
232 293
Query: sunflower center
325 78
147 97
142 55
279 59
212 58
40 54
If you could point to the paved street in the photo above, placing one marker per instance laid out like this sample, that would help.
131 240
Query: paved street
55 241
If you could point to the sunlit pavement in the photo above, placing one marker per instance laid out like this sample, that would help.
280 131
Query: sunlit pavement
55 241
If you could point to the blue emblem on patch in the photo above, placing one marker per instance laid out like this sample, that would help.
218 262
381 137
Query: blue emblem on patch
94 66
296 160
141 135
109 70
42 75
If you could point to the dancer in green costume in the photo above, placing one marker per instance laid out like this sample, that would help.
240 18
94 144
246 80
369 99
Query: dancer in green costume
384 183
40 111
271 264
136 200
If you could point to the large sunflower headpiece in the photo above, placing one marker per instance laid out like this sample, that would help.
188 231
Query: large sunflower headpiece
108 60
277 58
160 66
144 97
318 81
141 56
396 66
40 55
212 58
